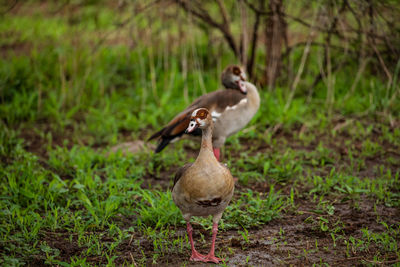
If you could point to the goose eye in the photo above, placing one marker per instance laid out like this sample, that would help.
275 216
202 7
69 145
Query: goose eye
202 114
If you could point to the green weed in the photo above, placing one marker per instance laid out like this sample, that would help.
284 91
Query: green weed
81 84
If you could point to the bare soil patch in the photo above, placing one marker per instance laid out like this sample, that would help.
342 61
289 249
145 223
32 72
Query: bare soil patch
295 238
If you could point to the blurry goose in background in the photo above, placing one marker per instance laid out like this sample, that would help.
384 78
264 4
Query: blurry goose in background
231 109
204 187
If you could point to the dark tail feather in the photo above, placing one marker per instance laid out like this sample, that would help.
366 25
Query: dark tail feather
164 142
169 133
157 134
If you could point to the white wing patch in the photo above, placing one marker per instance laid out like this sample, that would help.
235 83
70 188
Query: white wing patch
243 101
175 139
215 115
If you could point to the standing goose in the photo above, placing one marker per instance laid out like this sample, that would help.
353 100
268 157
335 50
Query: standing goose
231 110
204 187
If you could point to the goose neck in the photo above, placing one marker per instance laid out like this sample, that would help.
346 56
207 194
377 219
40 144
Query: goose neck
206 138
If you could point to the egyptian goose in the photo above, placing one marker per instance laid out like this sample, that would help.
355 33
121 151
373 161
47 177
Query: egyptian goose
231 110
204 187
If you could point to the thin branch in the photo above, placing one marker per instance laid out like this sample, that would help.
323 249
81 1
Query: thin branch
256 10
225 15
254 39
243 35
382 62
61 7
314 43
334 69
301 68
308 25
124 23
199 13
10 8
203 15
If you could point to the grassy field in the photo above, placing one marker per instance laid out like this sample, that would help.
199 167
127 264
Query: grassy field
318 176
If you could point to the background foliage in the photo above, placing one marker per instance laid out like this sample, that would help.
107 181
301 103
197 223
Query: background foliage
78 77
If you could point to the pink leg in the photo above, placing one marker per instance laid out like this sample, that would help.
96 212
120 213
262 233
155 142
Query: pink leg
211 256
216 153
196 256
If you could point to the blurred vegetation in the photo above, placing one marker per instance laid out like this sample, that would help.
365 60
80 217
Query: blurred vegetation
79 76
63 58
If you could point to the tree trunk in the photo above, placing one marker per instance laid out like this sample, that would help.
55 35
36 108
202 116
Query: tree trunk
275 33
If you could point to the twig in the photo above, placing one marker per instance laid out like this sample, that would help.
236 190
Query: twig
275 33
313 43
184 74
203 15
225 15
254 38
153 77
394 96
125 22
249 129
301 68
330 94
357 78
257 10
382 262
243 35
303 129
130 241
387 72
10 8
391 261
133 260
350 259
275 128
308 212
342 125
60 8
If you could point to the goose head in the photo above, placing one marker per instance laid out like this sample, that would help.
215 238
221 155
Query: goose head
233 77
200 118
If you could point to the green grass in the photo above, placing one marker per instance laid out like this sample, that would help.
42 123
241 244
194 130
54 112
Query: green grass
65 101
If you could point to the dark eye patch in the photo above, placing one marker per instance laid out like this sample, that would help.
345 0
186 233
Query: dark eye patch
236 71
202 114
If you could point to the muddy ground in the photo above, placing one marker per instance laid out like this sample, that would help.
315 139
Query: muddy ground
295 238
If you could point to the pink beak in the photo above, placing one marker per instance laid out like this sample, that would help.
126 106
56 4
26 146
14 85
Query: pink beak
192 126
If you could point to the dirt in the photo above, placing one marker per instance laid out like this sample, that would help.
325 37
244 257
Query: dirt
293 239
284 241
289 240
